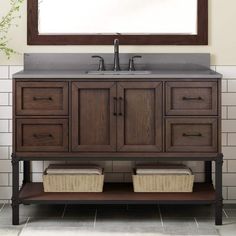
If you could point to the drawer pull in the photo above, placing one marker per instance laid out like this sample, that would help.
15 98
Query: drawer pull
120 106
43 136
192 98
192 135
115 106
42 98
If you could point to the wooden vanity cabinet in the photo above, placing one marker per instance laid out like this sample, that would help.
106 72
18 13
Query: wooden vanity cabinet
117 119
151 117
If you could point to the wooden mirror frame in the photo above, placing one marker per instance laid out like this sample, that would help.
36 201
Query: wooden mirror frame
34 38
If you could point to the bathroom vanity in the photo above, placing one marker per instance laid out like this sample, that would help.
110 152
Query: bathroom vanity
65 111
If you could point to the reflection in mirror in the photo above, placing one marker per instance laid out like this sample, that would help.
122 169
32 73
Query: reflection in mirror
128 17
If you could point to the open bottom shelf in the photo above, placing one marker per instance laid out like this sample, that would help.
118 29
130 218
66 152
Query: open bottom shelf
116 193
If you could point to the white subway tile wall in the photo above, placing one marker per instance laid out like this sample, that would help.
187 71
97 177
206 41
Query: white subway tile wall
121 171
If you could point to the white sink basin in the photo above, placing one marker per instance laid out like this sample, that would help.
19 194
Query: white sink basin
124 72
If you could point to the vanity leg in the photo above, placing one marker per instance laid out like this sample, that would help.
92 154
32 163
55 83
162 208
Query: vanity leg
208 172
15 190
27 177
218 187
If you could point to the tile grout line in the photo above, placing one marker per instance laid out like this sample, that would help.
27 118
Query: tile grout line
64 211
225 213
2 206
162 223
196 222
26 223
95 218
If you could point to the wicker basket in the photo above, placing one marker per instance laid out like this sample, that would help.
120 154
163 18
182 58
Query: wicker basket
73 183
163 183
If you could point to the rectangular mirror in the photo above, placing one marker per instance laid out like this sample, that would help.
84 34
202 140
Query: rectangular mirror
137 22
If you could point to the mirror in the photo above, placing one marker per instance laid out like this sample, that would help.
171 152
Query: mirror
132 21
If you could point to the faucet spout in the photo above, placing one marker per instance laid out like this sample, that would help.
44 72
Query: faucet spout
116 66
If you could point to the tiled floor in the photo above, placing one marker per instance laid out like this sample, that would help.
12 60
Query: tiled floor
120 220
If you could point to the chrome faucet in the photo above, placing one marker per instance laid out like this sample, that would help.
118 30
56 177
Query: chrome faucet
116 66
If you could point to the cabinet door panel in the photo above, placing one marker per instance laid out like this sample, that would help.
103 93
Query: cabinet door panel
93 122
139 116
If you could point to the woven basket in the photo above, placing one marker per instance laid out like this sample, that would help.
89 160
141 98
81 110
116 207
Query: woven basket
73 183
163 183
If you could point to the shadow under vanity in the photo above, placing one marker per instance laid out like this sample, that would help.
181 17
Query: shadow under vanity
61 112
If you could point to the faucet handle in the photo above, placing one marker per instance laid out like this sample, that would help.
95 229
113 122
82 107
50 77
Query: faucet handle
101 65
131 62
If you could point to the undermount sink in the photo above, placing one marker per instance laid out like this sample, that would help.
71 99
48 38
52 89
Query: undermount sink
124 72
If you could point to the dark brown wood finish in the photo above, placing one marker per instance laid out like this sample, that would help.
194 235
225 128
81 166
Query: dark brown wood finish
142 129
42 135
191 135
117 193
93 118
37 98
139 125
139 117
35 39
191 98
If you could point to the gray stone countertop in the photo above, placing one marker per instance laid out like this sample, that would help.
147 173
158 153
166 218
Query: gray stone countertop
159 74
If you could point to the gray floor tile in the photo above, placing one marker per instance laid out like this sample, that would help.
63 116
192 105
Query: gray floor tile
186 211
34 210
60 222
128 213
231 213
228 227
10 230
128 227
227 230
180 226
229 206
1 206
129 220
52 231
80 211
207 231
8 221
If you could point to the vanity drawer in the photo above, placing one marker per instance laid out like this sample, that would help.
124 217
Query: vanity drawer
40 135
191 98
42 98
191 135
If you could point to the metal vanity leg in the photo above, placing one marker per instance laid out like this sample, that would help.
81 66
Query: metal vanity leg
218 187
15 190
27 177
208 172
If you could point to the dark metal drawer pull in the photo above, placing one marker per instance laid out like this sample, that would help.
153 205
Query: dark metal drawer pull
115 106
192 98
43 136
42 98
192 135
120 106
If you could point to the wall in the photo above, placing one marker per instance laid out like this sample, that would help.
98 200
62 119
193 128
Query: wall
222 46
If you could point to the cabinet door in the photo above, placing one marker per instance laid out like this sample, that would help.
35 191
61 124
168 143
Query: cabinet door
93 121
139 116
